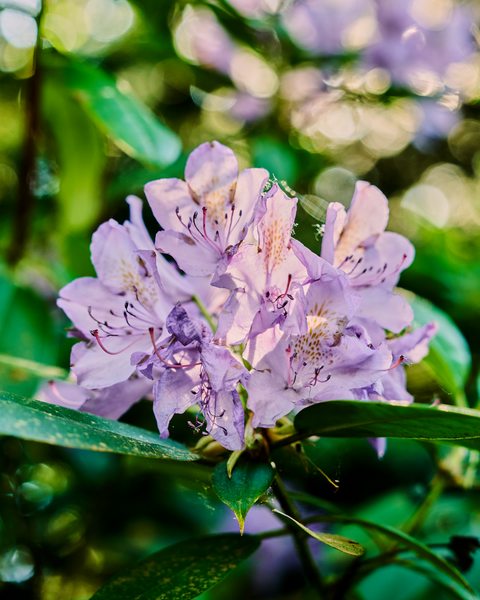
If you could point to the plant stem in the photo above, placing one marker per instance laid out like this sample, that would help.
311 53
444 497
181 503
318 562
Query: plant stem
310 568
418 518
204 311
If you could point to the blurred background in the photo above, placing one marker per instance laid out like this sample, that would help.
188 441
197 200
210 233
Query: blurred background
97 97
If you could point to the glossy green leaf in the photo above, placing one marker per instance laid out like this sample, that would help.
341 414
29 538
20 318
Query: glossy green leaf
180 572
330 539
34 420
26 334
132 126
405 540
449 359
249 481
351 418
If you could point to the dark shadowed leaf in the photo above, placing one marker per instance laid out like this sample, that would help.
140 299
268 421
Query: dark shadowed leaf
249 481
132 126
449 359
34 420
335 541
180 572
350 418
401 538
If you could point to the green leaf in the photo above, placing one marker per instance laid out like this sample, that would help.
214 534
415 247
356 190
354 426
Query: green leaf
449 359
351 418
132 126
180 572
335 541
398 536
34 420
80 155
36 368
249 481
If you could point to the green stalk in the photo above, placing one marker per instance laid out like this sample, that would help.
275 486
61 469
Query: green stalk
308 563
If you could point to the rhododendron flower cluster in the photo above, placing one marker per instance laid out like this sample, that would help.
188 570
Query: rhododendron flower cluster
259 325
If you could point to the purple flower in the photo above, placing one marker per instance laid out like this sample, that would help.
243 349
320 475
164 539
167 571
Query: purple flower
355 241
209 213
209 380
117 314
266 278
325 363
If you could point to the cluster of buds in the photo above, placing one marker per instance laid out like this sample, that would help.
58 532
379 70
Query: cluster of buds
310 327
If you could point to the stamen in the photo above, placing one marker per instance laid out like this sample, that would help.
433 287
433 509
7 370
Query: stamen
97 337
56 393
399 362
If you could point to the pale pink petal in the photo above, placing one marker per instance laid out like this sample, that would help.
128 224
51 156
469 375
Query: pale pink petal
366 217
250 185
334 224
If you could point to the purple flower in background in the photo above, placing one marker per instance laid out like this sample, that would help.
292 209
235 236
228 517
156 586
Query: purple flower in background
209 213
319 25
209 380
355 241
413 41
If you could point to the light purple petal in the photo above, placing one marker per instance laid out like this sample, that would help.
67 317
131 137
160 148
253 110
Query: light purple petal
112 402
413 346
185 328
317 267
164 196
63 393
136 227
390 311
226 420
95 368
223 370
269 397
192 257
172 395
76 297
211 173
